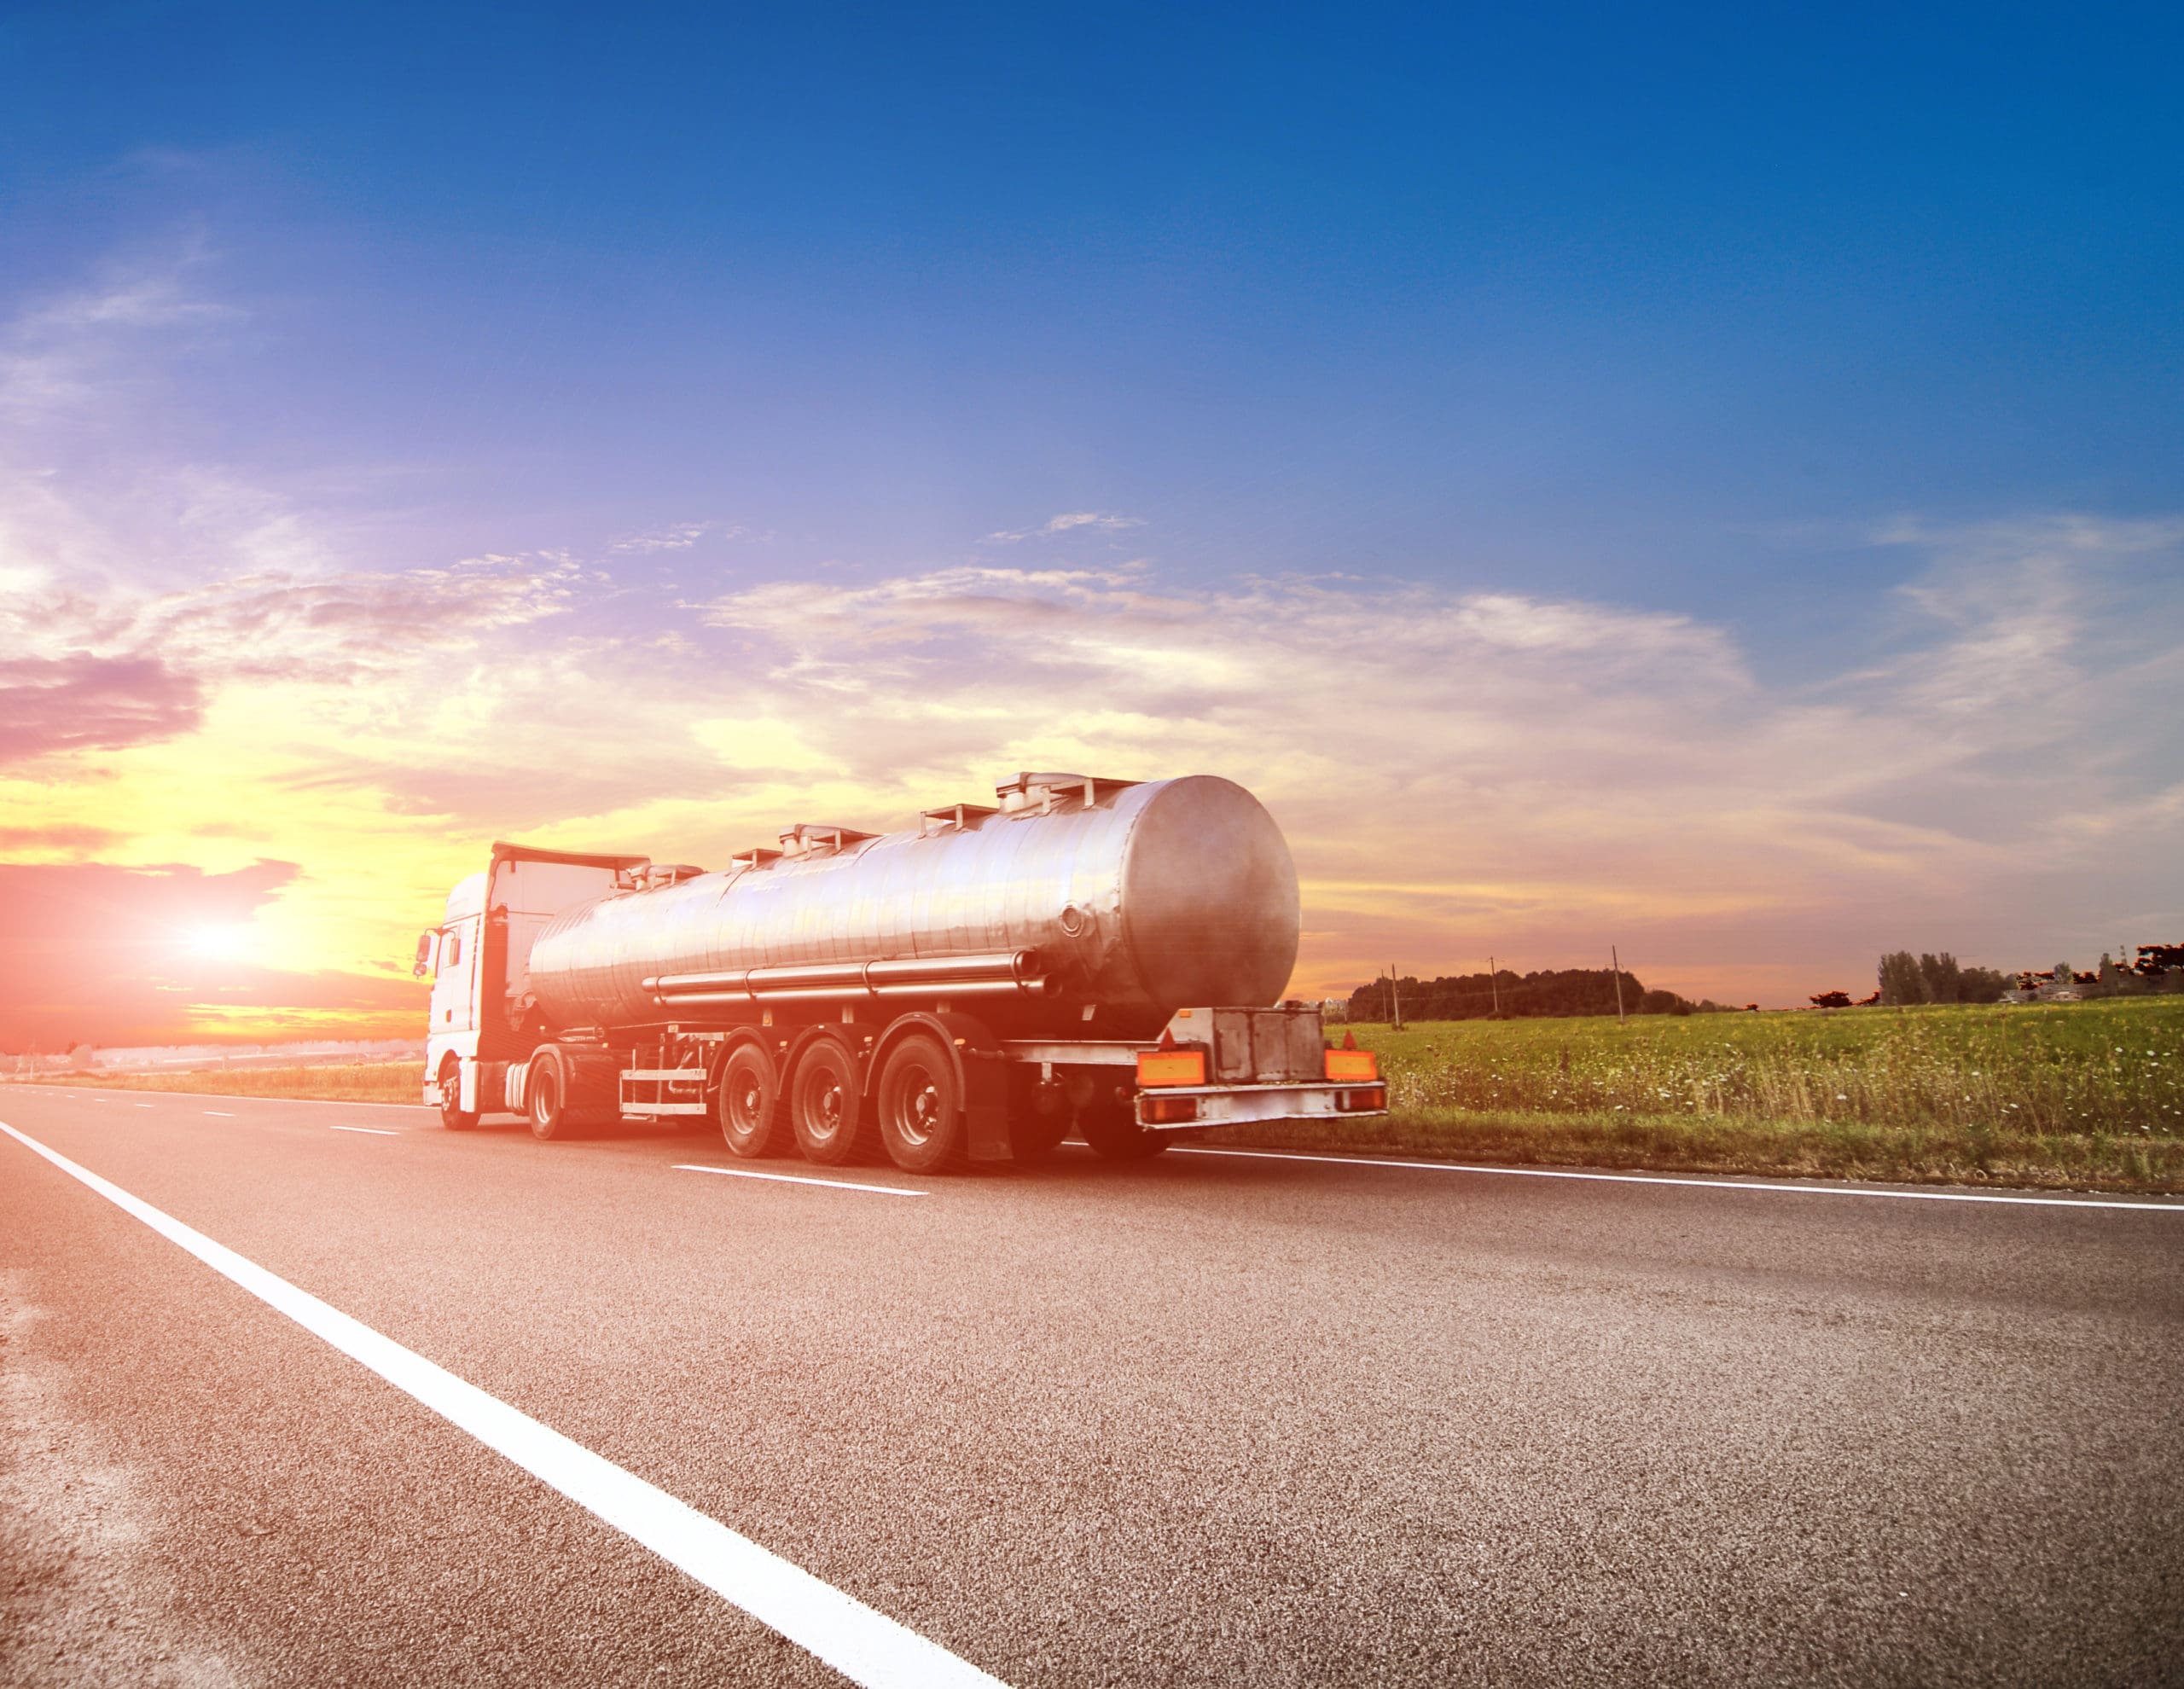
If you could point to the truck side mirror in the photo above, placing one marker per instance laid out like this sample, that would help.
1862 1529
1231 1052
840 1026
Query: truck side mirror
424 962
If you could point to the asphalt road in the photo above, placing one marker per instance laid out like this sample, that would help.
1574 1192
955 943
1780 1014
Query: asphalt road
1209 1420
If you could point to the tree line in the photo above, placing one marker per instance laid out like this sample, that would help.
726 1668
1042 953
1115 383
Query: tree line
1926 979
1511 995
1905 979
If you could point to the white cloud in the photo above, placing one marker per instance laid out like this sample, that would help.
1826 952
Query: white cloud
1069 522
677 537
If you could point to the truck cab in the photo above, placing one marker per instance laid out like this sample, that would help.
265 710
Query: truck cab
478 958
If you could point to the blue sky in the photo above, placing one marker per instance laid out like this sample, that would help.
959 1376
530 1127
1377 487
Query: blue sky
1770 320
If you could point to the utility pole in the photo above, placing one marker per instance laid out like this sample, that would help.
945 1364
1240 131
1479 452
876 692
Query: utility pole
1494 980
1394 998
1615 962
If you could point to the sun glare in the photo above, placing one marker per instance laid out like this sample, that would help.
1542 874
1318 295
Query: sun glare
218 941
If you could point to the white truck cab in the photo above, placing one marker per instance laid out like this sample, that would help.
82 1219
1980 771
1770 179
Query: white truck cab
479 958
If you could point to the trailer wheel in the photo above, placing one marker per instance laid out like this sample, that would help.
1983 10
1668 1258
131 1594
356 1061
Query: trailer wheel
1112 1131
546 1089
451 1113
825 1105
921 1106
750 1102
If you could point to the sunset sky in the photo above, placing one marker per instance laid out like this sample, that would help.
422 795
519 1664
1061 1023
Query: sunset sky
1706 481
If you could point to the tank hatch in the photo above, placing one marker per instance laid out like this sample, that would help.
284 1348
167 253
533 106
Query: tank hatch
811 838
1040 792
953 817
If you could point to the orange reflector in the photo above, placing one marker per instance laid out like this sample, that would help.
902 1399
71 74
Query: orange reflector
1370 1100
1169 1111
1347 1066
1171 1067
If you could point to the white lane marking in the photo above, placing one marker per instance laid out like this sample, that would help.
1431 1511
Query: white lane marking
1696 1184
143 1105
221 1112
791 1179
866 1647
376 1131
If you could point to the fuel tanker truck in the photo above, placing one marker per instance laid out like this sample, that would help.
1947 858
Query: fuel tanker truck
1102 957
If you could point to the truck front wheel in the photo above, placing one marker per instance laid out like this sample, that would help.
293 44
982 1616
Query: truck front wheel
451 1111
921 1106
825 1105
750 1098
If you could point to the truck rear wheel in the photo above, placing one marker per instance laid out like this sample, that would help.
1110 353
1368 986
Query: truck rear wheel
1112 1131
825 1107
452 1112
921 1106
750 1101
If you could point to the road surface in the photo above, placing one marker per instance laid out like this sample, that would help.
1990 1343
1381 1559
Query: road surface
1213 1420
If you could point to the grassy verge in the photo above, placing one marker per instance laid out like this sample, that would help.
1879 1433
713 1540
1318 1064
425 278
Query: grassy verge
396 1082
2079 1095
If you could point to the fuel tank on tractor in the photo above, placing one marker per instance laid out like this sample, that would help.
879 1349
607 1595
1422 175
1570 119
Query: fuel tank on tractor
1131 900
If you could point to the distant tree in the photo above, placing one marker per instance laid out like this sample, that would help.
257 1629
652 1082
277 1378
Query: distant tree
1941 975
1981 986
2157 959
1868 1002
1901 980
1831 999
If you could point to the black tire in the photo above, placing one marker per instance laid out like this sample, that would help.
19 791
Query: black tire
750 1104
825 1107
451 1113
546 1097
921 1106
1038 1118
1112 1131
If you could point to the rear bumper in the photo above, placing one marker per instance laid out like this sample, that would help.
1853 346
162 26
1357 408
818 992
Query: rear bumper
1234 1105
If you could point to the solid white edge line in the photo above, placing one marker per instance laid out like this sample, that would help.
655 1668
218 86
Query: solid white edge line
376 1131
865 1646
793 1179
1697 1184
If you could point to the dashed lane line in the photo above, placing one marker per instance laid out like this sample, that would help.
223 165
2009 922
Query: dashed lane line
375 1131
220 1112
793 1179
1698 1184
865 1646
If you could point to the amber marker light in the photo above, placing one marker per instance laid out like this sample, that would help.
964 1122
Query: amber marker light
1349 1067
1170 1067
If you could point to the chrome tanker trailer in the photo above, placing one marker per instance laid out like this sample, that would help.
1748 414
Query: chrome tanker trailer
1101 956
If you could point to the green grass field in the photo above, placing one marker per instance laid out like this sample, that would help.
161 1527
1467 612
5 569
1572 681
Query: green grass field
2075 1094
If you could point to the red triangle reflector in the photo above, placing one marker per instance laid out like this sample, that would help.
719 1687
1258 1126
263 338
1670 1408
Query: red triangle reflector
1350 1041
